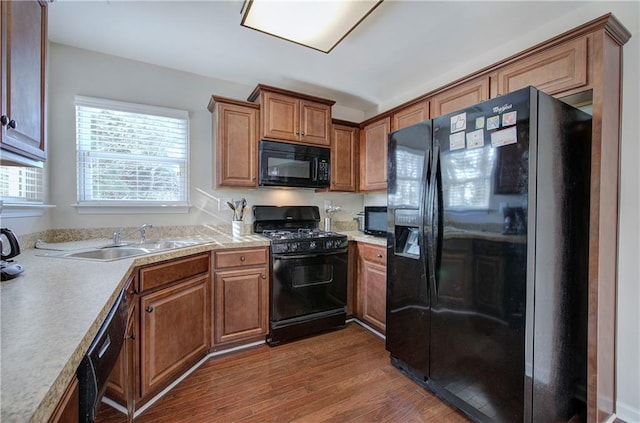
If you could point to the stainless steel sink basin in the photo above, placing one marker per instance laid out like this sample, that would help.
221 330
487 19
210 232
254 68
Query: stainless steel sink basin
110 253
106 254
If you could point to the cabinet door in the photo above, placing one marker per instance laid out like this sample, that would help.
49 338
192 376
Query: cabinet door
280 117
373 155
236 142
344 159
68 409
555 70
241 299
410 115
372 286
460 96
120 386
174 328
315 123
24 42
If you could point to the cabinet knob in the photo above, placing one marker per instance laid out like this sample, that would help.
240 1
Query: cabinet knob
303 133
4 119
12 124
379 255
242 258
149 309
263 276
297 132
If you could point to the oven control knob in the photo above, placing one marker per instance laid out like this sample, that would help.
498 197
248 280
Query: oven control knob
328 245
293 246
312 245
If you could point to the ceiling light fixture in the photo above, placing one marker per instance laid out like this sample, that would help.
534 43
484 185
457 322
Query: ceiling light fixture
318 24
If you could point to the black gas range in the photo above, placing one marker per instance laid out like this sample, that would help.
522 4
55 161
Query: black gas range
308 284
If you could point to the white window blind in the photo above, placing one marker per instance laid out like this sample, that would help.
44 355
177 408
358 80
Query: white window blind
130 153
20 184
466 177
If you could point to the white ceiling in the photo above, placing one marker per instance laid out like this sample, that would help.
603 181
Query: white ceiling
401 46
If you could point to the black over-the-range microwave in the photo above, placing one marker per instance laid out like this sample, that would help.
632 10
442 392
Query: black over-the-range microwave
375 221
293 165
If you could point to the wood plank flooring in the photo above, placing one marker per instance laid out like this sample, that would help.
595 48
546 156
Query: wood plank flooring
341 376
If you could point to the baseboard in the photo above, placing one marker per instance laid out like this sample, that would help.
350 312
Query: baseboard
626 413
367 327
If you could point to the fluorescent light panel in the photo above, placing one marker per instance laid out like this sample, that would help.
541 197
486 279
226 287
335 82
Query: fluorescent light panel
319 24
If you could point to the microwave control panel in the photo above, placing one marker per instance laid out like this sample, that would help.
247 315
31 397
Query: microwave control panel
323 170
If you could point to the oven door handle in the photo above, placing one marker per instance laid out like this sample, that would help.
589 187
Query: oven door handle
303 256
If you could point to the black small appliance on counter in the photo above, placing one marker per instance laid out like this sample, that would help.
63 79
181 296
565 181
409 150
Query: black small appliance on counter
10 248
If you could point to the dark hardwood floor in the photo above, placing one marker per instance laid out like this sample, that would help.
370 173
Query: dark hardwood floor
341 376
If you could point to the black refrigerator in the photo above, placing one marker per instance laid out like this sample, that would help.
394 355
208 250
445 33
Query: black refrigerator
487 257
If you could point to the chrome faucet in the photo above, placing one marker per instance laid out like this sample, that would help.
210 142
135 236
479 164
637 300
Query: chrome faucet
117 235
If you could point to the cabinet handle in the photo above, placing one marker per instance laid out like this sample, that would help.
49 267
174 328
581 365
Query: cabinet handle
149 309
263 276
379 255
297 132
4 119
303 133
132 336
242 258
12 124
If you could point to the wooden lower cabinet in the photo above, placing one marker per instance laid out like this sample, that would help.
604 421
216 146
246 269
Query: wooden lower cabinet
372 285
173 332
241 301
68 409
240 296
120 386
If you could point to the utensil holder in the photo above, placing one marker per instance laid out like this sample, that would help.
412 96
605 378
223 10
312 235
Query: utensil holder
327 224
236 228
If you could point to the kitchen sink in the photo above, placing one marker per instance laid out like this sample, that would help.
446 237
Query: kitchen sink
114 252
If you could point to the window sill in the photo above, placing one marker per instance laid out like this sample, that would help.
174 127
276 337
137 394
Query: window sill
11 210
155 208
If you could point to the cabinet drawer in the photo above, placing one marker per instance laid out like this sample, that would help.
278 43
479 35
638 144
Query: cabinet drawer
173 271
373 253
235 258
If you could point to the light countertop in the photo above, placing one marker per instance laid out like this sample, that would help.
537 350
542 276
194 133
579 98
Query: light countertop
52 312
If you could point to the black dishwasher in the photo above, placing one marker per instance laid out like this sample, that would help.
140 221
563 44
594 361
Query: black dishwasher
96 366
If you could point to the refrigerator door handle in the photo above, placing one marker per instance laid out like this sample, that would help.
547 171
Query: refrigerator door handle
432 222
425 208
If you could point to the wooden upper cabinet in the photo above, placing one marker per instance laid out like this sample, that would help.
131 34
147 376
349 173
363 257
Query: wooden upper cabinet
344 158
280 117
460 96
235 132
373 155
410 115
294 117
558 69
24 45
315 123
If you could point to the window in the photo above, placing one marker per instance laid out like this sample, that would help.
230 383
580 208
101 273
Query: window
20 184
466 178
130 154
